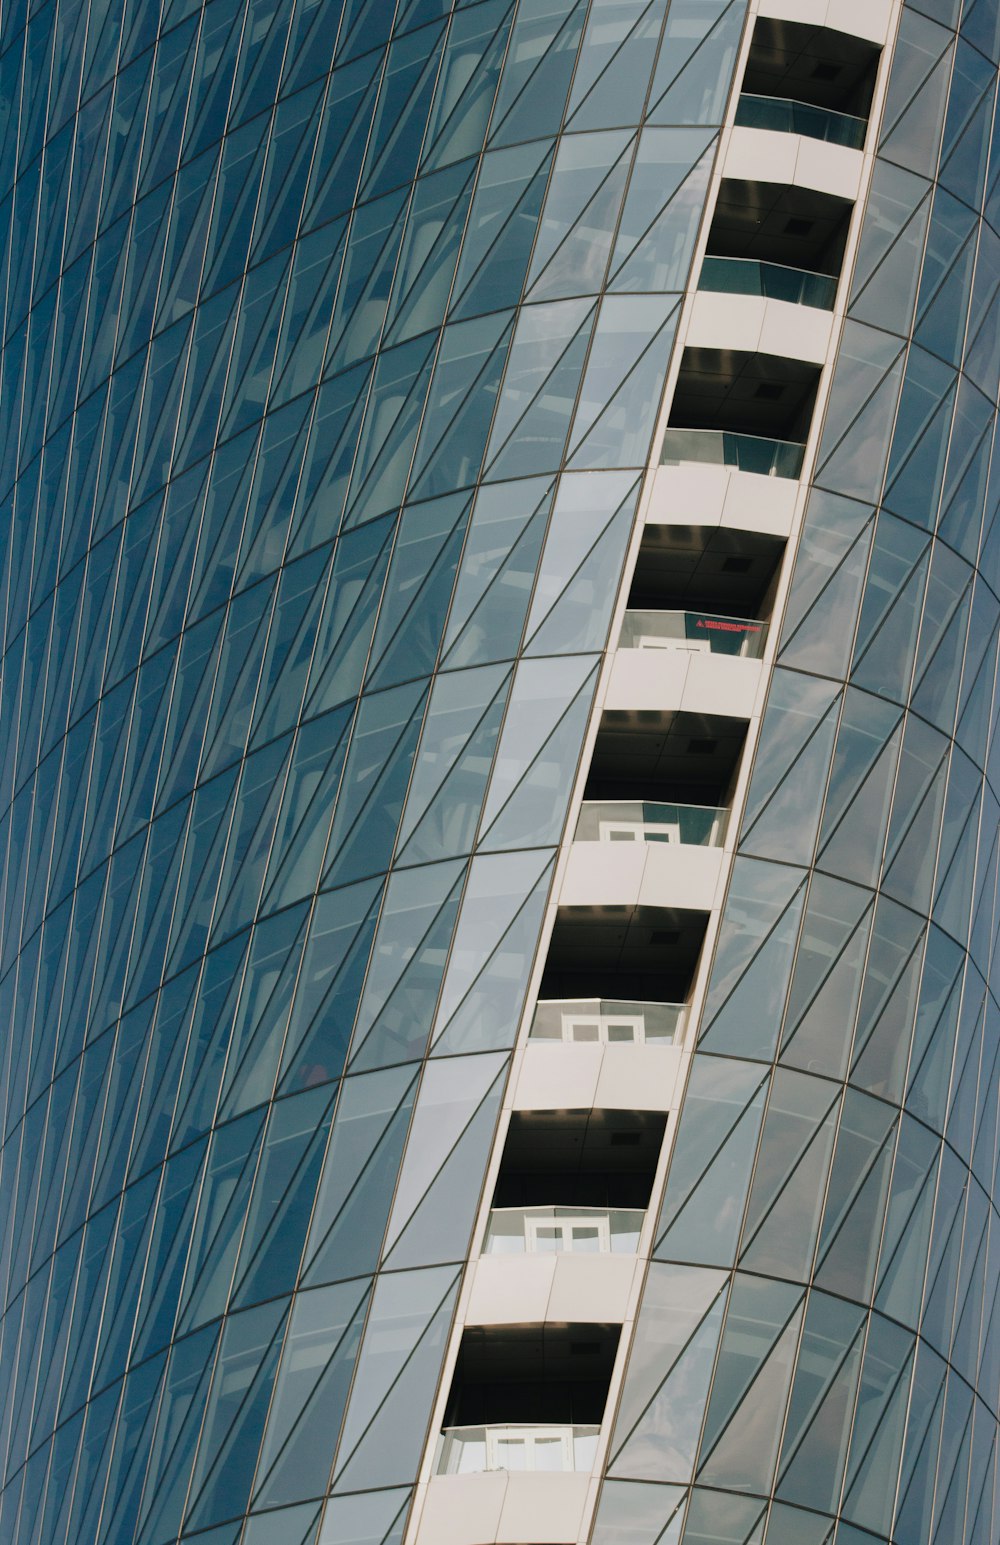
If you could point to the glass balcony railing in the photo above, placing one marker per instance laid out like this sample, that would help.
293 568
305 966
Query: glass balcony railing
723 448
546 1447
790 117
694 632
774 281
607 1022
605 820
563 1231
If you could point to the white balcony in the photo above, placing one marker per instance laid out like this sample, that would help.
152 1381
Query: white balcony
683 681
505 1507
565 1264
627 853
702 488
596 1053
632 873
563 1286
802 161
579 1076
759 324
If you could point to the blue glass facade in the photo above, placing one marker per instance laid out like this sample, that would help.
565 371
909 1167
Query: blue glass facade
335 337
334 340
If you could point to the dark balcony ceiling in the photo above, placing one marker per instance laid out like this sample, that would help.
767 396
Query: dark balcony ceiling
689 757
756 394
777 223
811 64
510 1354
583 1141
704 568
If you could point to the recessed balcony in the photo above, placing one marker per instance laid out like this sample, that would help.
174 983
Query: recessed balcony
746 393
704 573
623 954
811 66
687 764
562 1236
521 1434
769 278
522 1395
653 820
690 645
611 1015
803 108
741 409
585 1159
788 227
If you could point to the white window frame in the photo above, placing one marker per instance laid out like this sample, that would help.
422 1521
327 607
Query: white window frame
660 641
601 1022
566 1228
639 831
527 1437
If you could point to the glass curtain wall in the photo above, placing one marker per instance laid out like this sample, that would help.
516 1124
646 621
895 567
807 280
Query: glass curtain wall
333 341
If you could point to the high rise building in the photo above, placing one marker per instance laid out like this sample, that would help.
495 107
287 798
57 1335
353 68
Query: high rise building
499 750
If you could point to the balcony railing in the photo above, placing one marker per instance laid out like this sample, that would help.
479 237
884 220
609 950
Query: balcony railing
563 1231
790 117
605 820
546 1447
607 1022
775 281
699 632
723 448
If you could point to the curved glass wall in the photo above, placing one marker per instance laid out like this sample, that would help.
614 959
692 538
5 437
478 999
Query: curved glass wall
334 339
333 342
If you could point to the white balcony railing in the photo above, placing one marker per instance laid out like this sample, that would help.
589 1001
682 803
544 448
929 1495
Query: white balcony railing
563 1231
608 1022
545 1447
